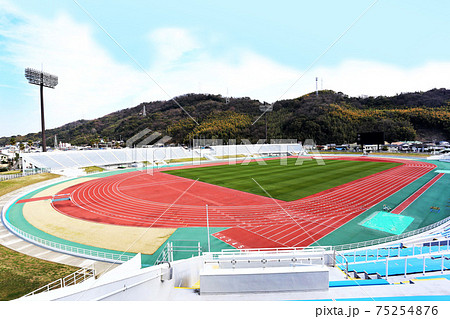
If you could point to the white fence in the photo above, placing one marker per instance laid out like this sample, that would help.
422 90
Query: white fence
77 251
77 277
181 248
6 177
27 172
272 257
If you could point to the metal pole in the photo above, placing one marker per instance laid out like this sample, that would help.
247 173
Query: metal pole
207 228
387 267
406 266
423 272
44 143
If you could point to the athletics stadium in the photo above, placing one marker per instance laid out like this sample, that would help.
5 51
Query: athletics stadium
237 222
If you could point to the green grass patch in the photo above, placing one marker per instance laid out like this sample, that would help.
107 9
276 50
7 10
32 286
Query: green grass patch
230 156
10 172
285 182
190 159
21 274
16 183
93 169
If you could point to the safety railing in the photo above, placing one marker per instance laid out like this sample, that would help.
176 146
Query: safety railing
390 238
77 251
82 252
428 247
341 262
423 269
180 250
270 257
4 177
402 266
268 262
272 251
75 278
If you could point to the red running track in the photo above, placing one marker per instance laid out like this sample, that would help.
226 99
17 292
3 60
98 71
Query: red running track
164 200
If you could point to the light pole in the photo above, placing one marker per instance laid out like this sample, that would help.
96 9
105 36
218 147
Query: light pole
42 79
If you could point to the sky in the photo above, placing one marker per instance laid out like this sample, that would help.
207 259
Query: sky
111 55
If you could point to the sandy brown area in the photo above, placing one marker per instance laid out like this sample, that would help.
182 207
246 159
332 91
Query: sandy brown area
122 238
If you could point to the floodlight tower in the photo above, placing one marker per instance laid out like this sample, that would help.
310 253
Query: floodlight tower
42 79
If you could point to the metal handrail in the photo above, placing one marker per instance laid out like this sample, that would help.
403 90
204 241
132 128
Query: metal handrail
10 176
340 263
424 247
82 252
67 248
166 254
384 240
297 260
75 278
276 250
5 177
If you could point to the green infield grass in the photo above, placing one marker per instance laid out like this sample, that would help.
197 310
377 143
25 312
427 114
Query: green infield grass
285 182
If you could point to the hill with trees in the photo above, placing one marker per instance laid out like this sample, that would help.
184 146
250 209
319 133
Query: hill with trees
330 117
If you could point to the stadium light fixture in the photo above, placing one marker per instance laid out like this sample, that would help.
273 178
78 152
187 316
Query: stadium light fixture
42 79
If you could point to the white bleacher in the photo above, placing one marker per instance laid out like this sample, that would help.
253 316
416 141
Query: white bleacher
76 159
262 149
442 157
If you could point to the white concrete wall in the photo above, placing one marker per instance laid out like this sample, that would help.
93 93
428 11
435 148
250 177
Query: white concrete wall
129 282
267 280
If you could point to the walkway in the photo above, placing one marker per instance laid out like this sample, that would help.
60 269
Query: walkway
13 242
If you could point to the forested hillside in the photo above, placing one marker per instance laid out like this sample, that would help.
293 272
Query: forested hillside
329 117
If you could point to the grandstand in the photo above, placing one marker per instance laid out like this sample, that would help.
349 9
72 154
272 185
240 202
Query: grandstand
257 149
58 161
442 157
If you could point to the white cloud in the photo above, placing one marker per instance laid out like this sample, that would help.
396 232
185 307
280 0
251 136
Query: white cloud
172 43
373 78
92 83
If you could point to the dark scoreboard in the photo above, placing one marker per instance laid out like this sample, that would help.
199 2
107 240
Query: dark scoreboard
370 138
